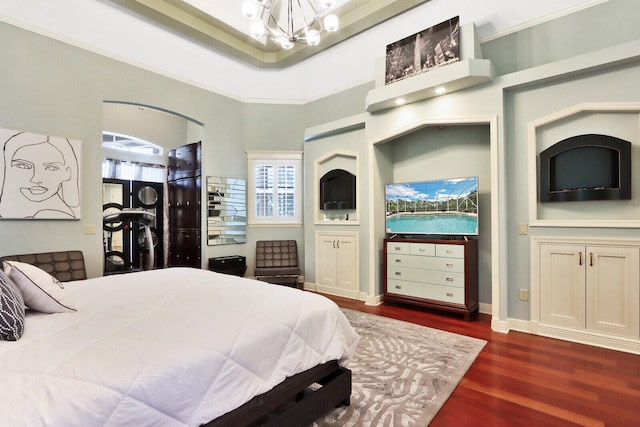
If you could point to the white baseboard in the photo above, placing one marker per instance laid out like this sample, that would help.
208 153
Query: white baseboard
375 300
596 339
485 308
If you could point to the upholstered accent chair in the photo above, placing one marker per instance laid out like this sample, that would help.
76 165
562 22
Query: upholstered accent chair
277 262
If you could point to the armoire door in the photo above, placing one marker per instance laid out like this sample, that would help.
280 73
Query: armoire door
148 196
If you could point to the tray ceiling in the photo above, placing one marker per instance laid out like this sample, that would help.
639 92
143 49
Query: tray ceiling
218 24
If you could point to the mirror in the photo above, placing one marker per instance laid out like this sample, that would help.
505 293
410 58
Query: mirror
113 233
148 196
226 211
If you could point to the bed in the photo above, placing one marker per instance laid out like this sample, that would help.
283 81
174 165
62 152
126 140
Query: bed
174 347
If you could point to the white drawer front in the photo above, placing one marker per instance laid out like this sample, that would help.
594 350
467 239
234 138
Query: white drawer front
428 263
398 248
451 251
426 276
423 249
432 292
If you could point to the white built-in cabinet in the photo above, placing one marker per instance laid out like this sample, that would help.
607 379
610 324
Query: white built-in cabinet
337 263
587 289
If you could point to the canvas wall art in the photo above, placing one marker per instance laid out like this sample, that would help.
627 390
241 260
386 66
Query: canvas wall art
41 176
420 52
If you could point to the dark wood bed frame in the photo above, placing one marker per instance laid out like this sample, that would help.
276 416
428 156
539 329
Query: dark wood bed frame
297 401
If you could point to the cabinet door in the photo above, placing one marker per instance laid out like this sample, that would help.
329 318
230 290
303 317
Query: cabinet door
562 285
346 262
184 248
613 274
184 203
326 265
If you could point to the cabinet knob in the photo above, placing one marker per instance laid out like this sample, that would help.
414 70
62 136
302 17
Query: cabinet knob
398 273
397 248
449 279
449 294
398 260
398 287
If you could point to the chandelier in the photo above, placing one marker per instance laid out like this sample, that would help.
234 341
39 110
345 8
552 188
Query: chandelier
289 22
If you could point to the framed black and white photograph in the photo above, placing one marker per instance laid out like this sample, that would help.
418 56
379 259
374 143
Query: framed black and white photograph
40 176
420 52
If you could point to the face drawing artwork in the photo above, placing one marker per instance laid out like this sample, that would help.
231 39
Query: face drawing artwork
40 178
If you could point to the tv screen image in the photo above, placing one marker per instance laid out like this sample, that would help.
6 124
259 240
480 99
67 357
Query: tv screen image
437 207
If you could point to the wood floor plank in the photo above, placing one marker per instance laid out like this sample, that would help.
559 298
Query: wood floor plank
527 380
534 404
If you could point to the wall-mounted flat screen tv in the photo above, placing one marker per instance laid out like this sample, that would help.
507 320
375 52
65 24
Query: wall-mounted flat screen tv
438 207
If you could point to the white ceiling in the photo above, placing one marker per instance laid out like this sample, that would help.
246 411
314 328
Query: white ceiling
115 30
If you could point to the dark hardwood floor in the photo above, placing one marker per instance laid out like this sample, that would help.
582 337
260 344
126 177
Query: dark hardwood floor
526 380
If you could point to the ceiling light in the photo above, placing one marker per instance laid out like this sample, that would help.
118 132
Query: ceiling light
440 90
288 22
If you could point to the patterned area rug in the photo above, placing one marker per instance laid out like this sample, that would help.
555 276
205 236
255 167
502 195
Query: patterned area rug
402 372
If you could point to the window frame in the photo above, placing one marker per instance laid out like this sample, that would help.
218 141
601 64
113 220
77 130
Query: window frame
274 159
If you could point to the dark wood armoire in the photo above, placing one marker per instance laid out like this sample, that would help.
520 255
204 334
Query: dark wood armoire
184 186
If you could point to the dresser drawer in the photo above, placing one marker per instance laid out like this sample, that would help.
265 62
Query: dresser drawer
420 290
450 251
423 249
426 263
426 276
398 248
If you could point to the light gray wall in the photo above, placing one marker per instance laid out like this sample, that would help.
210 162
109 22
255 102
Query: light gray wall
346 103
53 88
605 25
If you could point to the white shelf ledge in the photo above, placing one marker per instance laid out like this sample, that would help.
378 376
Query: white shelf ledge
453 77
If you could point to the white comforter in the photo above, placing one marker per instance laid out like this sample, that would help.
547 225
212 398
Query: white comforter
169 347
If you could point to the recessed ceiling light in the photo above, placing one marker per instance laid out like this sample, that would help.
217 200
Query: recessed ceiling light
400 101
440 90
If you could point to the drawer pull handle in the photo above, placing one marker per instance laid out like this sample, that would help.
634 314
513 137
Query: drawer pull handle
422 249
449 294
398 287
398 260
449 279
449 265
397 248
449 251
398 273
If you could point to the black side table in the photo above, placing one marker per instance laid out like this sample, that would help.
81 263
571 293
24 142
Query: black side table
234 264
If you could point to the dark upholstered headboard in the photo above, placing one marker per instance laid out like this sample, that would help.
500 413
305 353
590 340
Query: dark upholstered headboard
64 266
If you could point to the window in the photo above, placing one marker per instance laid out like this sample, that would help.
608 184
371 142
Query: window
132 144
117 145
275 187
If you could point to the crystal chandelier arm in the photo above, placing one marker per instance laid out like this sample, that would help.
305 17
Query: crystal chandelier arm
316 13
276 30
282 29
290 32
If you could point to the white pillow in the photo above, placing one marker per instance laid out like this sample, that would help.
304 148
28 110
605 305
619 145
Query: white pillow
40 290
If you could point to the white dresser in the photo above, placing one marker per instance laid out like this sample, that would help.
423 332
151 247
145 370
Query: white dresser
440 274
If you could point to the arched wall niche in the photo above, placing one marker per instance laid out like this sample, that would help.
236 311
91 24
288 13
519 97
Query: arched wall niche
394 153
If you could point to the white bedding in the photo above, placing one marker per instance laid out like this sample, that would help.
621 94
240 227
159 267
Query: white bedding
170 347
